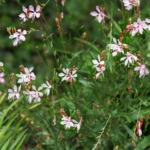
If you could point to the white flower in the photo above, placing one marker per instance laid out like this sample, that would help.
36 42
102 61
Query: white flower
30 75
14 92
129 59
2 80
64 74
18 37
68 75
23 16
48 87
71 77
142 69
117 47
30 95
23 78
67 122
33 13
78 125
99 62
1 64
36 94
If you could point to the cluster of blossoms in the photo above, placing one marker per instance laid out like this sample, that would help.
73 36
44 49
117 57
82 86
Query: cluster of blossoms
68 122
130 58
100 15
68 74
19 35
131 3
99 65
31 93
2 80
27 76
30 13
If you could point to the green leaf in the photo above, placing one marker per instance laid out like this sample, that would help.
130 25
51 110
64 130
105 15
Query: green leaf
20 143
17 140
130 132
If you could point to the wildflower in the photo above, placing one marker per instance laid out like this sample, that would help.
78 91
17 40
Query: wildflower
100 15
23 78
78 125
33 13
18 36
139 131
62 15
23 16
117 47
63 2
100 69
1 64
65 74
138 27
2 80
30 75
142 69
48 87
36 94
130 3
67 122
30 95
14 92
69 75
129 58
54 120
98 63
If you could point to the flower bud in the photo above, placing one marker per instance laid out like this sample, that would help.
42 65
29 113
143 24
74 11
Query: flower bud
44 47
37 48
22 68
54 53
57 21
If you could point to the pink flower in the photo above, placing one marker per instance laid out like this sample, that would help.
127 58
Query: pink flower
54 120
100 15
117 47
23 16
63 2
14 93
2 80
139 131
100 69
33 13
99 62
142 69
18 37
138 27
130 58
130 3
62 15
